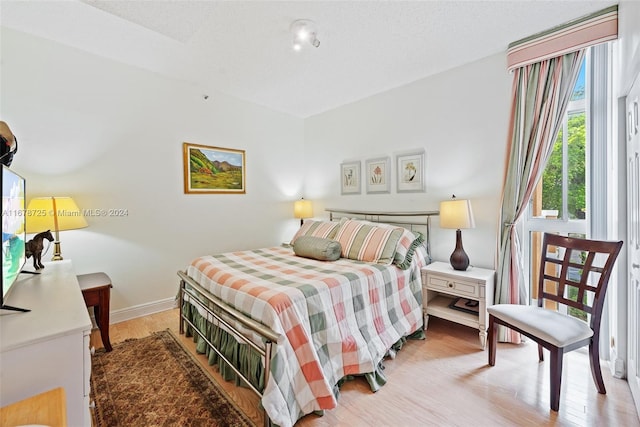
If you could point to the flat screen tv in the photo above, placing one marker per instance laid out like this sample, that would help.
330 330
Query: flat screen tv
13 232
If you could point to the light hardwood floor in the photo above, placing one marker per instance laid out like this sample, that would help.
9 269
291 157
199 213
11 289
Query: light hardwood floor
445 381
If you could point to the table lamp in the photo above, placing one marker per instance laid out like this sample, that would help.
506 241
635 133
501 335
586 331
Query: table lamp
55 214
302 209
457 214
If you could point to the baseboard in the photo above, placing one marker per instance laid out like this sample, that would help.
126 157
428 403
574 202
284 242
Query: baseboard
617 365
141 310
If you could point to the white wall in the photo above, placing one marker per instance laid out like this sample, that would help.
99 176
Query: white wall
111 136
627 55
459 118
628 43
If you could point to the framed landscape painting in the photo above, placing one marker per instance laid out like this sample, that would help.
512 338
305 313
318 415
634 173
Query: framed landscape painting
410 168
213 169
377 173
350 177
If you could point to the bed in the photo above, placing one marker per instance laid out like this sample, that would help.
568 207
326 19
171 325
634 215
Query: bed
292 325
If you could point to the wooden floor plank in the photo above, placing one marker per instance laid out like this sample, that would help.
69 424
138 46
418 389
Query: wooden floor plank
445 381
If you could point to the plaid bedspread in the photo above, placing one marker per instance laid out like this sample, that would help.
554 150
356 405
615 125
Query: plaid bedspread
334 318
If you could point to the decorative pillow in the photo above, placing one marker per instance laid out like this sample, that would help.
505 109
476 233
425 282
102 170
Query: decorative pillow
364 241
407 245
324 229
317 248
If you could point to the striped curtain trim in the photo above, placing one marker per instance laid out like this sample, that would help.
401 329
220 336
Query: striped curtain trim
589 30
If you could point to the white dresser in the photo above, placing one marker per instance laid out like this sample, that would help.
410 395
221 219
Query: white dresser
47 347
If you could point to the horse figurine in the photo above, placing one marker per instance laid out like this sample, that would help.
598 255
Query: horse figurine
34 247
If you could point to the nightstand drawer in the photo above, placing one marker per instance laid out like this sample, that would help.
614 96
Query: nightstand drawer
444 284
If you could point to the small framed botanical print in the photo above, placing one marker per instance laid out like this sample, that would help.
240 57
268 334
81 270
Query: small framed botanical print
378 175
350 177
410 169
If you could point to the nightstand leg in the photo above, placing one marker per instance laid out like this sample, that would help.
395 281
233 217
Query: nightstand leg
426 321
103 323
483 338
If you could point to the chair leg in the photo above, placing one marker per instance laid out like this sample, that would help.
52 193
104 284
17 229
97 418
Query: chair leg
493 340
556 356
596 371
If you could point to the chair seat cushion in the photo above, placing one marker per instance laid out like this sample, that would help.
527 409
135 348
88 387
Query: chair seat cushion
556 328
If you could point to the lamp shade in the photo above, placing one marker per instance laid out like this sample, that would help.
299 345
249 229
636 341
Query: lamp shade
55 214
302 209
456 214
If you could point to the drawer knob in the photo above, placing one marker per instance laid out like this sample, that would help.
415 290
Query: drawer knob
450 284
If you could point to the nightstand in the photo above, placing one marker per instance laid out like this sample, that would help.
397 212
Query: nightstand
96 290
441 285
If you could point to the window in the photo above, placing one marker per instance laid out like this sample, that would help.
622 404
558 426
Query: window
561 194
564 201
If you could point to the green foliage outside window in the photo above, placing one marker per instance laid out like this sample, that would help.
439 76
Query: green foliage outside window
552 178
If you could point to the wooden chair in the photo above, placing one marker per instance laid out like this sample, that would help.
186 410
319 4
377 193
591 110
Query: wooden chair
557 332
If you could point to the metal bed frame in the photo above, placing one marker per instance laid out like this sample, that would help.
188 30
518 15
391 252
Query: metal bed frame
229 317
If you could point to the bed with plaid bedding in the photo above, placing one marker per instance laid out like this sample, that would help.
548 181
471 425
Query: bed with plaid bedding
334 318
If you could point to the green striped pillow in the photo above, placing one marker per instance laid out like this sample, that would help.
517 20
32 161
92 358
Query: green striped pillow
407 244
324 229
364 241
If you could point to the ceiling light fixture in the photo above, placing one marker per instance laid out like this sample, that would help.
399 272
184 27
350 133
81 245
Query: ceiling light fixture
304 31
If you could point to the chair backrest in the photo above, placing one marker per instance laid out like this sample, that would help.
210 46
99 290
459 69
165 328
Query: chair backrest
580 275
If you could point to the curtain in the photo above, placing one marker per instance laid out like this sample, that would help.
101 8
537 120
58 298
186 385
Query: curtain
581 33
541 92
545 68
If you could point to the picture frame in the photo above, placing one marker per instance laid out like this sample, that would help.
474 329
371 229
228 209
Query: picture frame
350 178
213 170
410 172
378 175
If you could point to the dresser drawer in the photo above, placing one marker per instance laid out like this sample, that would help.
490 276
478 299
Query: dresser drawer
452 286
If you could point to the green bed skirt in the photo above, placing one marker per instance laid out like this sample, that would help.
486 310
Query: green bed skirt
248 361
241 355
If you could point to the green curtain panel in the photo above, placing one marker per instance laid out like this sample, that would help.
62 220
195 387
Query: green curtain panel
545 67
540 95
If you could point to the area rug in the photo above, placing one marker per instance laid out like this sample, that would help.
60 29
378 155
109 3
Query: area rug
155 381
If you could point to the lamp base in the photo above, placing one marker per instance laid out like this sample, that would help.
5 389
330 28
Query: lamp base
57 254
459 259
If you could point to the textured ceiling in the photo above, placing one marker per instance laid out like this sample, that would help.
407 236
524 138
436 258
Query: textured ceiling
244 48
